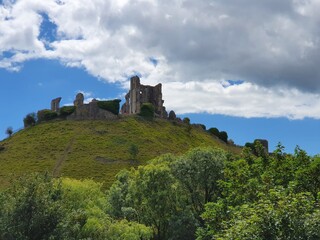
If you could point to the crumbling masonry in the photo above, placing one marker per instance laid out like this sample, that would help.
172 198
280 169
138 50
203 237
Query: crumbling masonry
139 94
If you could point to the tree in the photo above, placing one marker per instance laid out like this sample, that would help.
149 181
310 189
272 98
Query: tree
30 120
152 196
9 131
214 131
172 115
223 136
308 177
277 215
133 151
38 207
186 120
199 172
31 208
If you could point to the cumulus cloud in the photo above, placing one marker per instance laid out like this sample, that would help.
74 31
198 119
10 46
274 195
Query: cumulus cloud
192 47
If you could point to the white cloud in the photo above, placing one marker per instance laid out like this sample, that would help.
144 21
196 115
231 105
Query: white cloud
242 100
272 45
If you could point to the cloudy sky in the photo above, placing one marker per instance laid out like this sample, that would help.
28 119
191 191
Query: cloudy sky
249 67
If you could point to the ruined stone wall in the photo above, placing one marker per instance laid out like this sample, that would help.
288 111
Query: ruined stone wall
91 111
83 111
55 104
139 94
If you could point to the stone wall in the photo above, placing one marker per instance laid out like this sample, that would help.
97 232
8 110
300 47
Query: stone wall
55 104
89 111
139 94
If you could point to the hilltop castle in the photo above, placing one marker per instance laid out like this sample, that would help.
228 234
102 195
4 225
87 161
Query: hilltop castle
135 98
140 94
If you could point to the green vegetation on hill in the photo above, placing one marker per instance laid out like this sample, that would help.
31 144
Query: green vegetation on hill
202 194
95 149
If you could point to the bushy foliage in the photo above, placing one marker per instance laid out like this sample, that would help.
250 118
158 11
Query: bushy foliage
204 194
39 207
186 120
31 209
223 135
66 110
214 131
9 131
199 172
172 115
133 151
46 115
111 105
147 111
30 120
169 193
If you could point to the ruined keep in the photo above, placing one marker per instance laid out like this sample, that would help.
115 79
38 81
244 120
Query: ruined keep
90 111
55 104
81 111
139 94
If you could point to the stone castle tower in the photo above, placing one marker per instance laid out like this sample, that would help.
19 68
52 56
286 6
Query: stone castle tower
139 94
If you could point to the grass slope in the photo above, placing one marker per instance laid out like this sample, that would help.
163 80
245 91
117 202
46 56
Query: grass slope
95 149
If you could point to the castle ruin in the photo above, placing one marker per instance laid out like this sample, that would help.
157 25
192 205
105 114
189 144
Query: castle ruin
140 94
55 104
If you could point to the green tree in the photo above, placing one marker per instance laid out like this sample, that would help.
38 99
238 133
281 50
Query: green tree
133 151
31 208
199 171
30 120
153 191
152 196
214 131
172 115
126 230
308 177
186 120
223 136
278 215
9 131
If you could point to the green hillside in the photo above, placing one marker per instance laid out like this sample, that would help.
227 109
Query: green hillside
95 149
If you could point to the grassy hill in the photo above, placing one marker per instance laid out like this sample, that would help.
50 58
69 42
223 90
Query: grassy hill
95 149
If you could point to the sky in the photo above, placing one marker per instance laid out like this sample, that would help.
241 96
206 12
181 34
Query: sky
247 67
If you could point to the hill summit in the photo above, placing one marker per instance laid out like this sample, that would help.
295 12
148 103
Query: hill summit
96 149
94 141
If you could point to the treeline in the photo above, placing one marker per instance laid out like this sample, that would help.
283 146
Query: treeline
203 194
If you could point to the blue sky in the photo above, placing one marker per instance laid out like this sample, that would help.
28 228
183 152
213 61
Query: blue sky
252 71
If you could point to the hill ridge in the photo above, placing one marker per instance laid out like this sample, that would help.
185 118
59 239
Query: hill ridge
73 148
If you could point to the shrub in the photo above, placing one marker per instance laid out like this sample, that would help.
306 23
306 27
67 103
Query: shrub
223 136
111 105
9 131
46 115
172 115
133 151
214 131
147 110
186 120
30 120
67 110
